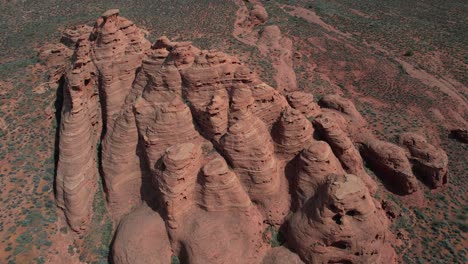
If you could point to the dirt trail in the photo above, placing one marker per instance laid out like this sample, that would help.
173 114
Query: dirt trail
272 44
311 17
450 87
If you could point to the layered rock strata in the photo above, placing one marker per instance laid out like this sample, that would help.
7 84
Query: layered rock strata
342 223
428 160
201 154
76 180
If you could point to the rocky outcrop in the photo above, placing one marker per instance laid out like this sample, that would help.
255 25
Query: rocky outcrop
199 153
281 255
343 148
54 55
460 134
76 180
342 223
392 166
316 162
430 162
72 35
303 102
249 149
221 189
163 125
343 105
268 103
272 43
175 179
118 49
291 132
131 246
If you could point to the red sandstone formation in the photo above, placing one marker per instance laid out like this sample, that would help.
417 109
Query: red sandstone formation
342 223
343 148
54 55
271 42
428 161
291 132
77 171
303 102
72 35
200 157
281 255
390 160
460 134
316 162
342 105
131 246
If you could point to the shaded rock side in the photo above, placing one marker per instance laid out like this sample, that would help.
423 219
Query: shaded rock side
221 189
163 125
315 163
122 166
132 247
342 223
117 51
391 164
77 174
281 255
175 179
303 102
429 161
343 148
291 133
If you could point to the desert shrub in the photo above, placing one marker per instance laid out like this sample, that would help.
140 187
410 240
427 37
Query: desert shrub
175 260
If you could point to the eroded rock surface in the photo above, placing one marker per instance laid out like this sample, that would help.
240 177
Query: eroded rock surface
342 223
201 154
391 161
428 161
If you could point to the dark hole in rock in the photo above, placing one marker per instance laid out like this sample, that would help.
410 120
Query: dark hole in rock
337 219
352 212
340 244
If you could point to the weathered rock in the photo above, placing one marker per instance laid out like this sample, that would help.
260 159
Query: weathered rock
430 162
225 154
272 43
268 103
343 148
342 223
55 55
130 246
342 105
76 181
391 165
291 133
316 162
221 189
303 102
460 134
175 179
72 35
163 125
281 255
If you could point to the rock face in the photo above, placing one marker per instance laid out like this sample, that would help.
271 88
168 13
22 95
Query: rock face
343 148
316 162
391 161
428 161
303 102
342 223
460 134
201 159
77 172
